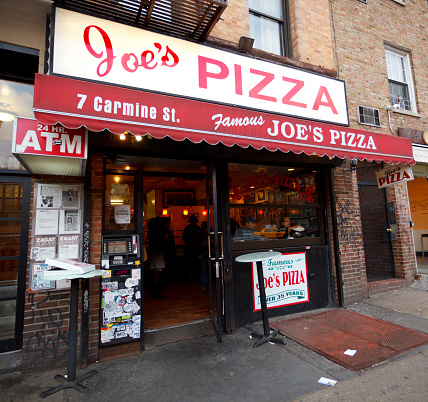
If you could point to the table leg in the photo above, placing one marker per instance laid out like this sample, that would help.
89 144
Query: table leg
70 380
267 335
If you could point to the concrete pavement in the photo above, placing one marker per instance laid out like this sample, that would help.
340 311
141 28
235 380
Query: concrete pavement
200 369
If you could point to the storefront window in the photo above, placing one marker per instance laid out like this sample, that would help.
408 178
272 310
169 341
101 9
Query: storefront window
271 202
119 202
18 98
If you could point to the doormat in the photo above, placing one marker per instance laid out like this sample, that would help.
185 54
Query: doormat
335 332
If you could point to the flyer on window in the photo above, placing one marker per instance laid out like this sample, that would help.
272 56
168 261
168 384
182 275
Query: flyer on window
69 221
48 196
122 214
70 196
46 222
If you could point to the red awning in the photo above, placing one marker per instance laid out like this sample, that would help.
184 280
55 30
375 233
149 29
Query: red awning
75 103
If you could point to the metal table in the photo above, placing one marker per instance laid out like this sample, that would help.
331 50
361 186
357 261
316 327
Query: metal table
70 380
258 258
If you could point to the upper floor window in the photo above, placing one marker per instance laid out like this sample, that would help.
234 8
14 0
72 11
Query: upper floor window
401 90
268 25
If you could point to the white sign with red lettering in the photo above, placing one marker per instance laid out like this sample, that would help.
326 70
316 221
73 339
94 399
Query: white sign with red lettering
286 281
105 51
32 137
393 175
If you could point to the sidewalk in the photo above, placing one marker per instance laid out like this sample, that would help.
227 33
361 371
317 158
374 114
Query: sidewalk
201 369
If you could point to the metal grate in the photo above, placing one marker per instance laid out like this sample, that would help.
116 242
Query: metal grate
190 19
369 116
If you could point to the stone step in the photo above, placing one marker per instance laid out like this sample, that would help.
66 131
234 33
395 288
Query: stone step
162 336
7 291
7 327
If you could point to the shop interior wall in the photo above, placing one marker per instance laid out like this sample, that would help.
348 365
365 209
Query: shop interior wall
418 199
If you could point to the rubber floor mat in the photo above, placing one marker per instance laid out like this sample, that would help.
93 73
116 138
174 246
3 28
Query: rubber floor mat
333 332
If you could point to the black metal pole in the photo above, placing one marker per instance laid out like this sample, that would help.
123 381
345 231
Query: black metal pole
71 365
266 329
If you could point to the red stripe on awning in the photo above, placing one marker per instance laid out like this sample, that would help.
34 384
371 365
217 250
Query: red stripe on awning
75 103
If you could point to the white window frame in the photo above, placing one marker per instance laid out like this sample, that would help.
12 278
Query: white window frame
405 54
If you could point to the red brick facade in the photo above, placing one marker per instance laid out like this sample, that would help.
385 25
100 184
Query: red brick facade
96 172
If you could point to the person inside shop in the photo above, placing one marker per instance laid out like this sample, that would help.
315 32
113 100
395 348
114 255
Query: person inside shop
203 256
191 251
248 229
233 226
157 236
285 226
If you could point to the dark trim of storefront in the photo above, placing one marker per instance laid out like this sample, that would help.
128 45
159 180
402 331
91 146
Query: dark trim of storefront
236 280
25 179
168 148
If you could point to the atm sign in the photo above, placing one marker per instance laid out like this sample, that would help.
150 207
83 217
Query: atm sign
32 137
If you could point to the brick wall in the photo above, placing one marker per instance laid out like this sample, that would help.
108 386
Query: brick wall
309 24
403 248
349 234
234 22
46 315
97 182
311 32
360 33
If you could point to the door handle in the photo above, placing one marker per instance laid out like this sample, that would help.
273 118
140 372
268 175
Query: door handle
388 230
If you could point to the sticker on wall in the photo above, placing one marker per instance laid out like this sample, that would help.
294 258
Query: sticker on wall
110 285
136 326
131 282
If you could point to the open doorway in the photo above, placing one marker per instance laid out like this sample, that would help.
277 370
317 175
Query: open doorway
176 241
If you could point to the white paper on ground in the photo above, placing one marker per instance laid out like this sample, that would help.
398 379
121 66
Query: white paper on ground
327 381
350 352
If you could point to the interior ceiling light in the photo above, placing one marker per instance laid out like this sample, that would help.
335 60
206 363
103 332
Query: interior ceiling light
138 137
122 136
6 112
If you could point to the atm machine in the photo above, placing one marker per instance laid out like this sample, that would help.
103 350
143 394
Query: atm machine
121 287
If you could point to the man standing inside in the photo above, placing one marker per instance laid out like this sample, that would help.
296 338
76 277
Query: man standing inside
191 255
248 229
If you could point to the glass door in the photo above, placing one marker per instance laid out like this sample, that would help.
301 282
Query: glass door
216 255
14 216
